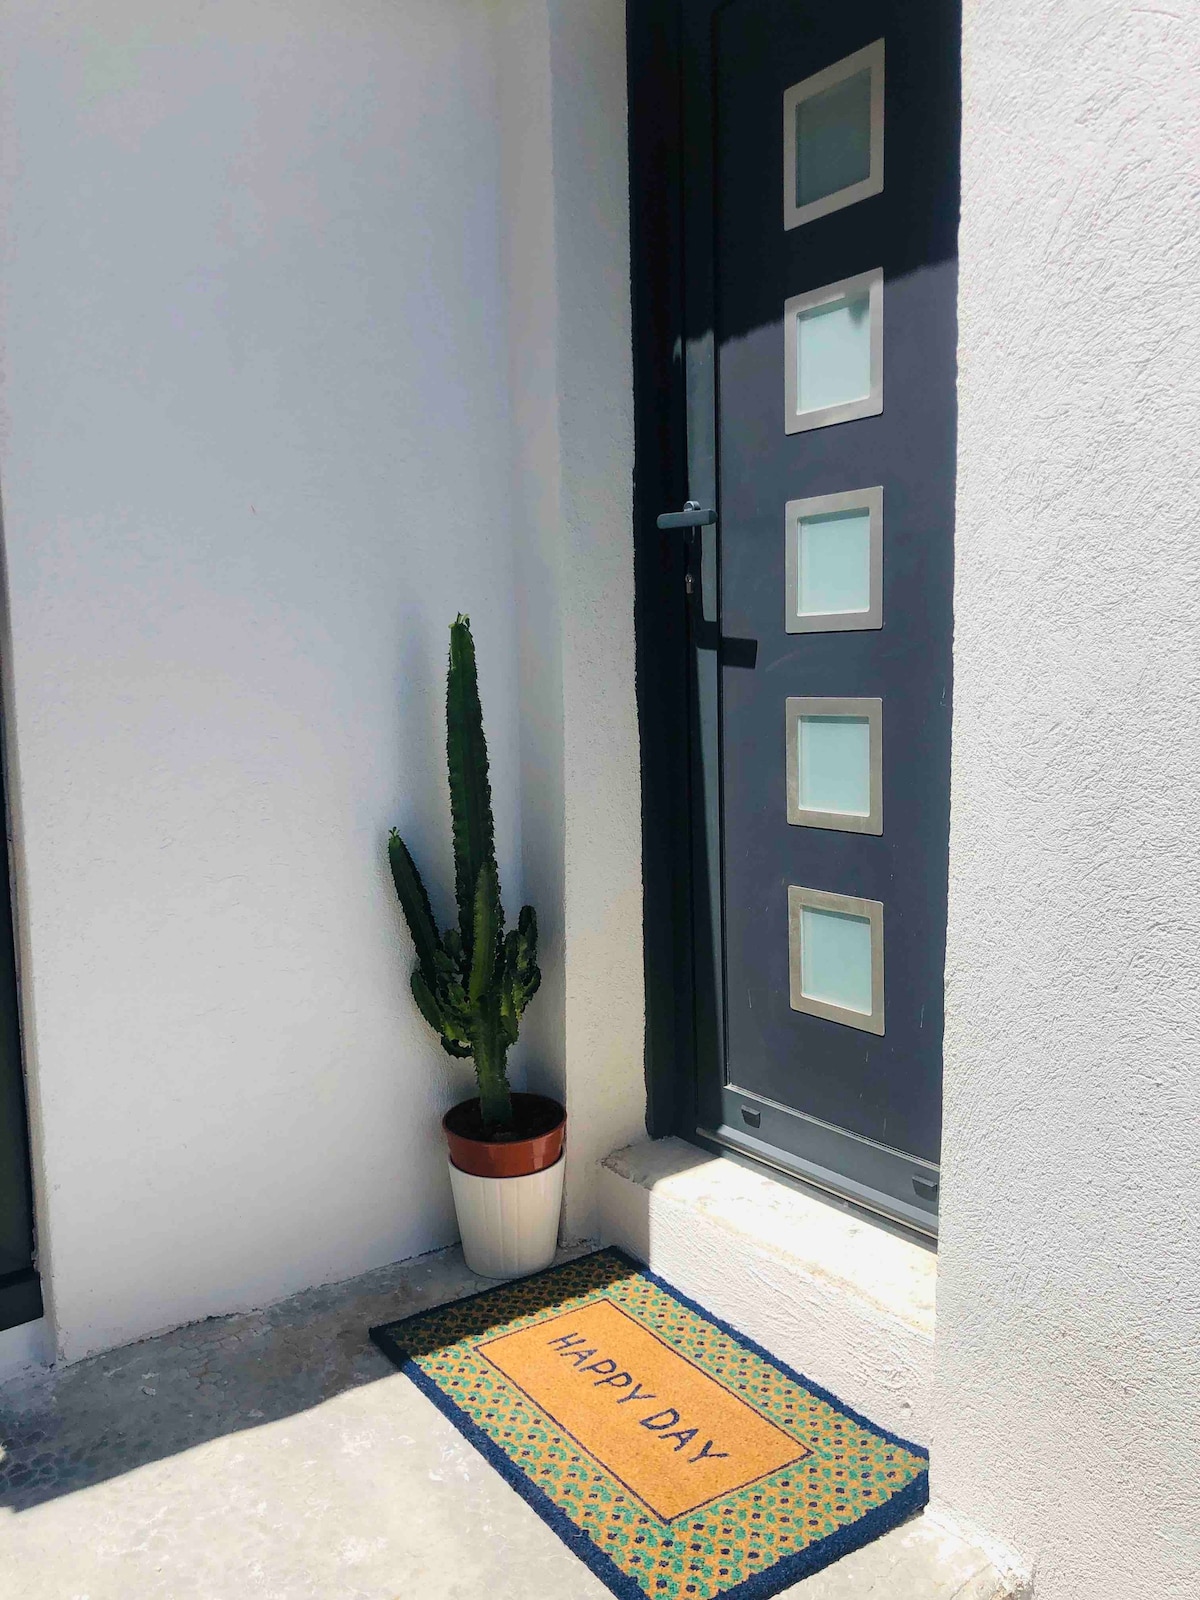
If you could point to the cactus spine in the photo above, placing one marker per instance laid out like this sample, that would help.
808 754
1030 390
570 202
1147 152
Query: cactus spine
471 983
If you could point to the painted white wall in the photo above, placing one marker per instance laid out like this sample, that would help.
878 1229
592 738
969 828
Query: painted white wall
1069 1285
255 455
316 330
566 247
27 1346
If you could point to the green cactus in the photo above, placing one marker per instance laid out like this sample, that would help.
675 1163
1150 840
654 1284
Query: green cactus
471 983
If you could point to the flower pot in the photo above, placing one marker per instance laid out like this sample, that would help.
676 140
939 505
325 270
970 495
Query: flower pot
509 1226
507 1187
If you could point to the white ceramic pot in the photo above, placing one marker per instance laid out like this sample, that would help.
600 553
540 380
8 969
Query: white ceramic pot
509 1226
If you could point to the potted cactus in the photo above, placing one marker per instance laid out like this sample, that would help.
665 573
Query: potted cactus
472 983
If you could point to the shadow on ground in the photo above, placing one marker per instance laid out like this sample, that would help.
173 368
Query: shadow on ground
76 1426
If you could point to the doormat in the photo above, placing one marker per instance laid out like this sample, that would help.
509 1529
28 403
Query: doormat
672 1454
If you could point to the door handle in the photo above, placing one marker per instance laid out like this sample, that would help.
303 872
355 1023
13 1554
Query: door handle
693 515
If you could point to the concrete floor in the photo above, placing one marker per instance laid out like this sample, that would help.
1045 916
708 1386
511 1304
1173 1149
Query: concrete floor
277 1456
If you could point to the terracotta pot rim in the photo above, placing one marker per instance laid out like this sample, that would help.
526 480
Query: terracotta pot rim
506 1158
508 1176
518 1094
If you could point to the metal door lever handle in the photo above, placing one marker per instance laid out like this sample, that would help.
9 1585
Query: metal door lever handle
693 515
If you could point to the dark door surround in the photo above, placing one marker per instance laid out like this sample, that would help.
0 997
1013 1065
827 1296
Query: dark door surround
683 1004
20 1288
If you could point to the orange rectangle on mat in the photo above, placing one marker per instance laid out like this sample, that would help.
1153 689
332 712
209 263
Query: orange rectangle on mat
673 1435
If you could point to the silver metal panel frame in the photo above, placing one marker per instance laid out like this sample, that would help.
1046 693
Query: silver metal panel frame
870 404
921 1219
847 905
871 711
794 216
822 505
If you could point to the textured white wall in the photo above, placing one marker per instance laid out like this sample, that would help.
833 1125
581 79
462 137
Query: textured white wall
255 455
1069 1285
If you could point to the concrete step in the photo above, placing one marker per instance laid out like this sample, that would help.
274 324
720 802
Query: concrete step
847 1302
922 1560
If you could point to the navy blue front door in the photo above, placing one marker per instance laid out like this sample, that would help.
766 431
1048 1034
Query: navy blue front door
818 225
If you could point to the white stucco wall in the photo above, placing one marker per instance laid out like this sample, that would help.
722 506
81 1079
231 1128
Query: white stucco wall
256 450
1069 1284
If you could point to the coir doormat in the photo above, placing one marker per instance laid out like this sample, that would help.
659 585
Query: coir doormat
673 1455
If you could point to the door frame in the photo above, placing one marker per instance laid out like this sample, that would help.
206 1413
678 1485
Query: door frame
677 921
20 1285
664 701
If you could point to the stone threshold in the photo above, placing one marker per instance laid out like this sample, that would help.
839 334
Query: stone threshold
844 1298
925 1559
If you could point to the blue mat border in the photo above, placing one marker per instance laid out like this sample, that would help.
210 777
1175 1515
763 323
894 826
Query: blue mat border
763 1585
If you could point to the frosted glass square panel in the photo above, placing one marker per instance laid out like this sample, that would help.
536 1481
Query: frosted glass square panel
833 138
835 563
834 754
835 765
833 354
835 959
